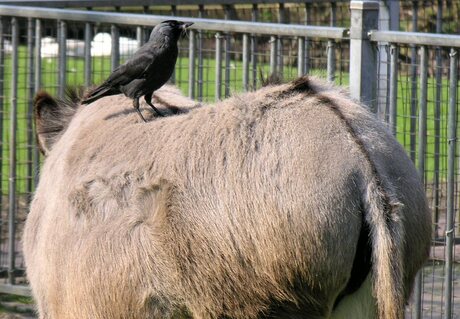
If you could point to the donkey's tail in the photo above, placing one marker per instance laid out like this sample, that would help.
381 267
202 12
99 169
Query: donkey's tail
383 215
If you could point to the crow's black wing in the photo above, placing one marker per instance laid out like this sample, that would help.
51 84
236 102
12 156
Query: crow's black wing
134 68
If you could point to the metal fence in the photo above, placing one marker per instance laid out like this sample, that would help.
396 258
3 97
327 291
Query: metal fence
408 79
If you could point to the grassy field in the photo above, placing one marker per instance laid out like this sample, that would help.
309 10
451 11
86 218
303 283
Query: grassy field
101 68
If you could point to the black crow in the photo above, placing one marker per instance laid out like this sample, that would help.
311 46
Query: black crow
147 70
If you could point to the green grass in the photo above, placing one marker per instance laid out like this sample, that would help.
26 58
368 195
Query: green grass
101 69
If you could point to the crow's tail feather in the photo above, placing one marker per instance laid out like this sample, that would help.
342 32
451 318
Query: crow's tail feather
99 92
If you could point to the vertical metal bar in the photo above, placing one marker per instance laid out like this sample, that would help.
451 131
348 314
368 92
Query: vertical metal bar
2 110
200 55
37 85
38 49
30 107
331 58
13 150
333 20
273 50
254 18
393 87
227 55
62 64
300 56
88 60
245 62
331 61
191 65
173 75
115 53
279 44
413 77
422 127
308 20
218 66
437 118
363 57
140 36
452 141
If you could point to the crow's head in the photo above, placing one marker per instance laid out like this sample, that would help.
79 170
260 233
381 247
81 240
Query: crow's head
171 29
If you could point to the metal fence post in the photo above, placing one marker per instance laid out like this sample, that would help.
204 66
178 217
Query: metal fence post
218 79
363 57
437 119
88 60
201 14
254 18
191 65
13 150
413 78
422 143
37 85
279 42
452 141
273 44
308 21
2 115
300 56
228 47
393 87
115 33
62 66
246 62
331 59
30 107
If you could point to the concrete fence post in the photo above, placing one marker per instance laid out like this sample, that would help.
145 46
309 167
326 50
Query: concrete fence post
363 54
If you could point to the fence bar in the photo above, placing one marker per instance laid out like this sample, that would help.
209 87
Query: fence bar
331 46
13 150
2 110
191 65
115 52
308 20
413 77
363 57
331 61
227 55
218 66
152 20
273 50
279 44
300 56
246 62
422 127
200 55
88 60
30 107
437 117
140 38
38 49
172 79
393 87
254 17
62 64
452 141
37 86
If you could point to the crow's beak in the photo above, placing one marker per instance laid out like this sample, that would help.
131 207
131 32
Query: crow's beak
186 25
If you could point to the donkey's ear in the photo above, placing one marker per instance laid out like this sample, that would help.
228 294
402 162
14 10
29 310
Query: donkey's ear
51 119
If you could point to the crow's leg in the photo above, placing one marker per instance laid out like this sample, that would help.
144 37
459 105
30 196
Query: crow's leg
136 106
148 99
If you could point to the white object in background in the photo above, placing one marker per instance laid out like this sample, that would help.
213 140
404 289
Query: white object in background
102 45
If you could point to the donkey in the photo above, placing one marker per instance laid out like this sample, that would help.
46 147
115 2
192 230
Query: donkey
292 201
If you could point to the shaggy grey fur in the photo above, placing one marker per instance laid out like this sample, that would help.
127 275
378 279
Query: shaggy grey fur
255 207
